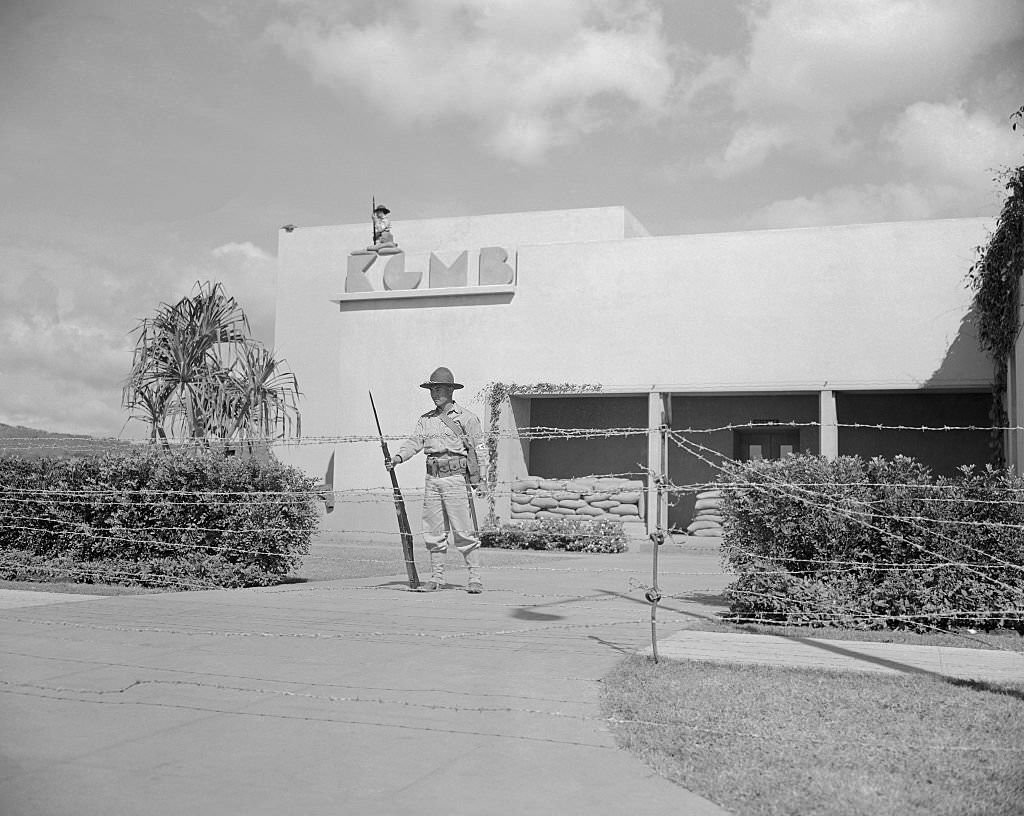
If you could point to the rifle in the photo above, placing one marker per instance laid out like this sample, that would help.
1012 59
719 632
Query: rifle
403 518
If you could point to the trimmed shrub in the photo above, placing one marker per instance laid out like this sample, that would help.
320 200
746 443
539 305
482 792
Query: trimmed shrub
186 518
569 533
873 544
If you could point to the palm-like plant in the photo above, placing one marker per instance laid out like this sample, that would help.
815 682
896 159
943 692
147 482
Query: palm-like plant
198 374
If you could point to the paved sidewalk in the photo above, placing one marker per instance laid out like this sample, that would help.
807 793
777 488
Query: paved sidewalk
985 665
360 696
341 697
15 598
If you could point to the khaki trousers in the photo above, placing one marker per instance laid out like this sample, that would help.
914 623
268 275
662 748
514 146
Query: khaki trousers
446 509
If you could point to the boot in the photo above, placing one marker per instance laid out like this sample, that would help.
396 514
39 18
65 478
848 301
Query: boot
436 581
475 586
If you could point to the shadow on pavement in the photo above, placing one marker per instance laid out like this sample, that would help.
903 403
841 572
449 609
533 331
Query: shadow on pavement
524 613
610 645
661 605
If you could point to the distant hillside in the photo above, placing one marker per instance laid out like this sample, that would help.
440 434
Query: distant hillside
31 443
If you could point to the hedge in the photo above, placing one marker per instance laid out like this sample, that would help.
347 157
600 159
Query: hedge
184 519
572 534
873 544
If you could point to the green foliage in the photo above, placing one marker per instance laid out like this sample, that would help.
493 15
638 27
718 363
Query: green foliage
871 544
995 278
569 534
143 517
198 374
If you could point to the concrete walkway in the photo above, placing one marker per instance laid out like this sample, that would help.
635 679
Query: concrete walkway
339 697
352 696
15 598
843 655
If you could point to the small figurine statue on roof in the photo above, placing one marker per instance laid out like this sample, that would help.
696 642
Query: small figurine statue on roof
383 241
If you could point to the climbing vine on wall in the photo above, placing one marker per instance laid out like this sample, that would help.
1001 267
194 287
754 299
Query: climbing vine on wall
494 395
995 278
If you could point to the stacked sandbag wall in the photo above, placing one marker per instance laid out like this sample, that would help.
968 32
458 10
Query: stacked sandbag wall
593 497
707 517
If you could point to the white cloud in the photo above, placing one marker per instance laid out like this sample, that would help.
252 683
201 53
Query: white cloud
943 158
62 360
813 65
850 204
949 144
67 312
249 274
531 75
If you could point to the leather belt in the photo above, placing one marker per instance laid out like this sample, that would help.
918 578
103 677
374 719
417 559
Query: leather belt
447 465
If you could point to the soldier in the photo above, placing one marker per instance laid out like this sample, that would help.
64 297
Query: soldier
382 226
453 441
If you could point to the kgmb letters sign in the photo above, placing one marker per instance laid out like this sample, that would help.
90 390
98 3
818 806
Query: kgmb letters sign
396 274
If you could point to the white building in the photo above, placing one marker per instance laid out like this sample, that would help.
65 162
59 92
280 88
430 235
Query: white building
821 327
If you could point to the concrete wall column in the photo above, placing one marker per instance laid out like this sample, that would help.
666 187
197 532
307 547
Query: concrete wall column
829 441
512 452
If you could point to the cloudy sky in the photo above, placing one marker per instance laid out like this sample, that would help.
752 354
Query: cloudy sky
146 145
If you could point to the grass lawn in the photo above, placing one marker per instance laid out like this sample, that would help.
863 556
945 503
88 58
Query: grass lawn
769 740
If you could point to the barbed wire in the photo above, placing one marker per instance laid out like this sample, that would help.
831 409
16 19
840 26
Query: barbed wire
382 494
96 695
862 512
819 568
538 432
850 514
122 575
502 488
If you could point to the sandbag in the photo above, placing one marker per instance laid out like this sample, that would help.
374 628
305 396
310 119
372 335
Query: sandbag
550 484
708 515
580 485
710 494
596 497
573 504
521 498
566 494
706 504
563 511
522 485
543 502
709 533
625 510
587 510
703 525
627 498
607 504
523 508
547 514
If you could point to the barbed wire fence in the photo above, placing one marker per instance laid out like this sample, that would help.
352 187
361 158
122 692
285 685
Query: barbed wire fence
22 506
860 512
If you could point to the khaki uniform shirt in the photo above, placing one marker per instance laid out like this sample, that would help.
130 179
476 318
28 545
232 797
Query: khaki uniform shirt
435 438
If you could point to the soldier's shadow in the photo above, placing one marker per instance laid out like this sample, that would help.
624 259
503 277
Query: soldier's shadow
525 613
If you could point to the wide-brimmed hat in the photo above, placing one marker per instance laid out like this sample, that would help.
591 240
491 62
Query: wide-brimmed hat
381 208
441 376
